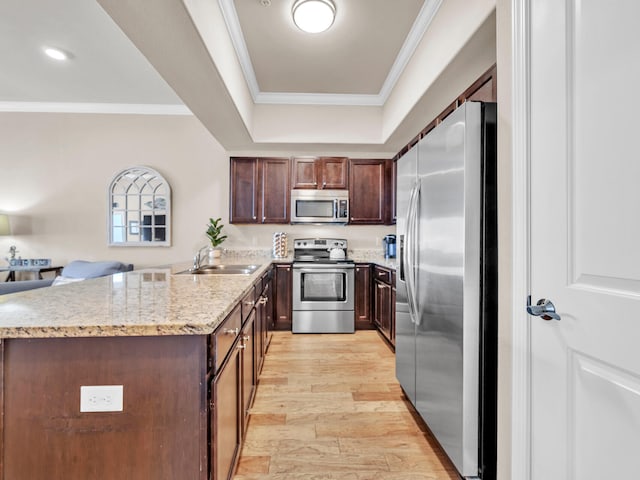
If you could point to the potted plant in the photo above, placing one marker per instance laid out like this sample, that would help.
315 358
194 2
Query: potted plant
214 233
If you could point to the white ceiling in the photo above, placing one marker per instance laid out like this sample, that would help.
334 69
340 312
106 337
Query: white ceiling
106 69
229 62
367 45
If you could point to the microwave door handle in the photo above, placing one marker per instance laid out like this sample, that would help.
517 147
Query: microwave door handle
335 208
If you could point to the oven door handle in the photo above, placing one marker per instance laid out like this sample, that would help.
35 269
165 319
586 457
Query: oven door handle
323 270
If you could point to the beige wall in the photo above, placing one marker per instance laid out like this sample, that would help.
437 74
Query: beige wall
56 169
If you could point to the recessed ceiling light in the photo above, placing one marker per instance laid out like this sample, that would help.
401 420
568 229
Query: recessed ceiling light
313 16
56 53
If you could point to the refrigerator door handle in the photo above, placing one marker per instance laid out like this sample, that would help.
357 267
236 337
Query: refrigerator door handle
412 216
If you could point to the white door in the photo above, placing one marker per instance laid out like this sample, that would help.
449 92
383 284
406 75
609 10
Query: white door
585 238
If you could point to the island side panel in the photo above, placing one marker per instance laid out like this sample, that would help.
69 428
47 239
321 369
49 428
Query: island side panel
1 409
159 434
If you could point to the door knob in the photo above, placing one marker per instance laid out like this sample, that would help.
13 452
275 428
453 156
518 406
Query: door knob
544 309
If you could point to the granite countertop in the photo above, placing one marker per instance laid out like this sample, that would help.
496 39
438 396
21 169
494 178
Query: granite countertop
147 302
373 256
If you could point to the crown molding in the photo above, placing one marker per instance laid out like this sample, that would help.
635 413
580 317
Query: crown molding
272 98
112 108
419 27
422 22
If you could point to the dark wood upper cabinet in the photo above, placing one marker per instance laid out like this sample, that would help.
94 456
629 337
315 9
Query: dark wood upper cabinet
447 111
483 89
243 190
304 173
369 191
275 190
323 173
259 190
335 173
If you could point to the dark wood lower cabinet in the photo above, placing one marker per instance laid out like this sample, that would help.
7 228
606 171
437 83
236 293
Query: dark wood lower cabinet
264 320
393 308
363 318
226 417
247 344
283 294
384 302
186 398
186 401
159 434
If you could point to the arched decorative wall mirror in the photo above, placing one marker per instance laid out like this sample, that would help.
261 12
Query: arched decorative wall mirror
139 209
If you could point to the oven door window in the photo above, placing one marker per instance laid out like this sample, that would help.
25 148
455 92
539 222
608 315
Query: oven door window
314 208
323 287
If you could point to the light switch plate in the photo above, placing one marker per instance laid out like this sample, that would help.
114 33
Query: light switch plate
101 398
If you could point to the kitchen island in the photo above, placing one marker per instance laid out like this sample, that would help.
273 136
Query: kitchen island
183 351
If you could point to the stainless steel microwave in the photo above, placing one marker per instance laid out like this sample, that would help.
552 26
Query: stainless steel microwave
320 206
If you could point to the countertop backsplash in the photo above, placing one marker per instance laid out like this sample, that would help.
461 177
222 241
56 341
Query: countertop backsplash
363 255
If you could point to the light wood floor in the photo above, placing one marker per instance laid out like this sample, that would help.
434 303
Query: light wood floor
328 407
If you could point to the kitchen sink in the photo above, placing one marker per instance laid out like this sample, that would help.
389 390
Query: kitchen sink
222 270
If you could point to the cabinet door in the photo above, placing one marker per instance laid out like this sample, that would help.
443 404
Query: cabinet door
284 277
243 202
267 315
368 186
334 173
226 417
304 173
248 344
363 297
275 191
393 309
383 308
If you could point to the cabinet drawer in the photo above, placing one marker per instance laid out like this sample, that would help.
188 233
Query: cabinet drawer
382 274
248 302
223 338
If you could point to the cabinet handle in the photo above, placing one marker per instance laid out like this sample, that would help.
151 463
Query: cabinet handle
241 346
324 184
246 338
231 331
254 217
250 304
357 269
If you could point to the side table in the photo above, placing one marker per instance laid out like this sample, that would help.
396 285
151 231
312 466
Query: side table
39 270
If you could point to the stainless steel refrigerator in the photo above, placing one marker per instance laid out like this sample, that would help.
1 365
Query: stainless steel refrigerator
446 306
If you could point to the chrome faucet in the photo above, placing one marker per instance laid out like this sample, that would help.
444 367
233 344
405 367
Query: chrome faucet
197 258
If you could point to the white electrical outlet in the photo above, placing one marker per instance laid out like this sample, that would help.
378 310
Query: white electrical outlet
101 398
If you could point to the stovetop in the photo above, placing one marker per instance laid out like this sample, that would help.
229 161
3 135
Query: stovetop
318 250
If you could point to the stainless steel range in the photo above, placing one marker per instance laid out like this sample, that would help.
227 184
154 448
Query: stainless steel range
323 286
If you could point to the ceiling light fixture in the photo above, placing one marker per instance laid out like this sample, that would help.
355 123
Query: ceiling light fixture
56 53
313 16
